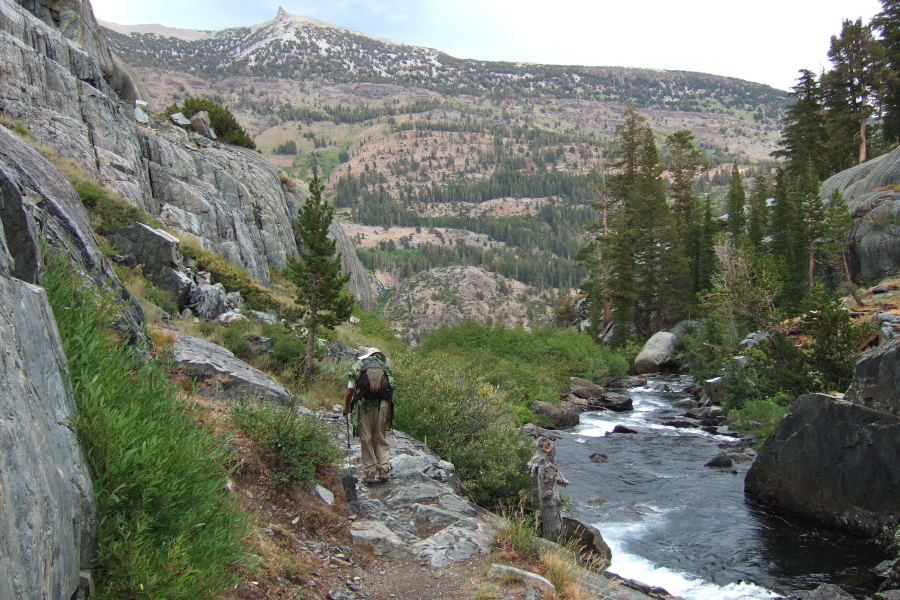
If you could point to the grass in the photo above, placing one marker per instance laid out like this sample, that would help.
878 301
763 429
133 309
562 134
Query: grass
166 526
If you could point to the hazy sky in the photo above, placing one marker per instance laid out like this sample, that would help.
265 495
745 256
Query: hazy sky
766 41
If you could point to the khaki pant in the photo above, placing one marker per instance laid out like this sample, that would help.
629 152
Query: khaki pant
375 461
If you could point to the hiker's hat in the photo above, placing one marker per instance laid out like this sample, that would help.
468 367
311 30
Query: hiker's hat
371 352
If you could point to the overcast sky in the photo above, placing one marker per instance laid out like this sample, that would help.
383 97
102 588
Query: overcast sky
766 41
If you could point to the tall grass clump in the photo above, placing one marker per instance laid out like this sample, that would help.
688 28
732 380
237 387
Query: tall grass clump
297 446
166 526
463 419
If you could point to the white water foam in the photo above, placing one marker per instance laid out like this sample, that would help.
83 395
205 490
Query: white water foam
683 585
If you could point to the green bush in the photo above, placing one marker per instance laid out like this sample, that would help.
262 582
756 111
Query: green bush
761 415
235 338
166 527
464 420
527 366
227 129
297 445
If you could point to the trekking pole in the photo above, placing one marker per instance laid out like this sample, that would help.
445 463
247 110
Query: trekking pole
347 419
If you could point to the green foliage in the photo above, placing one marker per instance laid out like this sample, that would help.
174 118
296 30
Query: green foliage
464 420
227 129
321 292
233 278
108 212
526 366
760 415
372 325
287 148
235 338
166 526
298 446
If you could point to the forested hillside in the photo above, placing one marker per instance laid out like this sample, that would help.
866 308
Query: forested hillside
410 139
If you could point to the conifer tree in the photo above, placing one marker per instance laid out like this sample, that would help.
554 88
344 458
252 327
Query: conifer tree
704 265
321 294
758 211
736 202
804 137
854 83
686 164
887 22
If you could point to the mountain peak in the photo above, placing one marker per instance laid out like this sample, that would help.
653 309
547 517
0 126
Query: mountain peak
282 14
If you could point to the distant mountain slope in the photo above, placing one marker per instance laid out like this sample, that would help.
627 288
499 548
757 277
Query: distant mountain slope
300 48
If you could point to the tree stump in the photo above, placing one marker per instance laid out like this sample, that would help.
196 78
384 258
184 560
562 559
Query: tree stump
543 468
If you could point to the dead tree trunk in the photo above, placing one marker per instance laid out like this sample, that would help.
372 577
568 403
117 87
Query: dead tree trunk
543 467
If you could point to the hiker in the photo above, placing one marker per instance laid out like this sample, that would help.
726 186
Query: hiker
370 390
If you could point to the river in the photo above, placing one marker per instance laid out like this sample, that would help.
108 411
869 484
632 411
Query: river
674 523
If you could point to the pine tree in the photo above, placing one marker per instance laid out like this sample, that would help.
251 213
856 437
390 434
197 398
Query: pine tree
789 232
704 265
804 137
887 22
736 202
854 84
758 211
317 273
685 164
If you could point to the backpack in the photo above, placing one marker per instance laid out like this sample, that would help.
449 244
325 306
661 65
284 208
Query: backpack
373 380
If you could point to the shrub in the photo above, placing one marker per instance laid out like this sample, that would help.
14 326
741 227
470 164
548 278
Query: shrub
235 339
166 526
227 129
461 417
296 445
761 415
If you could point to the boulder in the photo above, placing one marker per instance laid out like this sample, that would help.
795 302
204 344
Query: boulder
222 375
877 378
180 120
584 388
721 460
160 254
228 318
623 429
656 354
560 416
612 401
627 383
200 123
828 591
379 538
713 391
588 540
833 461
208 301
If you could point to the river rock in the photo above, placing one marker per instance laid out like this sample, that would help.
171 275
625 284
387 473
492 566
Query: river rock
833 461
721 460
627 382
877 378
887 595
559 415
223 375
598 458
584 388
656 353
713 391
612 401
828 591
623 429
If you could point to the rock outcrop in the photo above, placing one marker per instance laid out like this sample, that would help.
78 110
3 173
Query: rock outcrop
450 295
875 206
47 508
76 97
877 379
420 512
220 374
656 353
833 461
